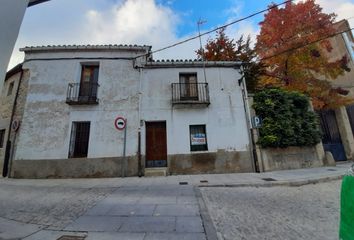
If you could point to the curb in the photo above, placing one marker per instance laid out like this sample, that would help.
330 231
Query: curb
209 228
294 183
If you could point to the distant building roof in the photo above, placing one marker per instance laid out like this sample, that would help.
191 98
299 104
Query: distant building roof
85 48
13 71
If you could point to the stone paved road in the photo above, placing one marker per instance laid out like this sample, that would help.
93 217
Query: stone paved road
277 213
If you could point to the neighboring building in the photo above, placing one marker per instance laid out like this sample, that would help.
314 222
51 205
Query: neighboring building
177 118
11 15
338 125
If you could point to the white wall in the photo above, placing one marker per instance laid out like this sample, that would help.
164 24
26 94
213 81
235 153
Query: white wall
45 131
46 127
224 118
11 15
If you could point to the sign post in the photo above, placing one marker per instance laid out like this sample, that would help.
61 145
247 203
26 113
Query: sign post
121 124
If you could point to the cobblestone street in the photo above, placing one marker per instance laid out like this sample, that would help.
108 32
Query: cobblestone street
284 213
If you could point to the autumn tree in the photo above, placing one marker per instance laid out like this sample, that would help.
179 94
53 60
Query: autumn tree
287 44
222 48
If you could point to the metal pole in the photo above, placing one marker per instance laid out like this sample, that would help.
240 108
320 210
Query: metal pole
124 148
200 22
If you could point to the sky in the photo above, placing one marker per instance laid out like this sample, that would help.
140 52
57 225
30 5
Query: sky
158 23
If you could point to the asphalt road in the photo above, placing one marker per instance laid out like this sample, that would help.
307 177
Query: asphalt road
284 213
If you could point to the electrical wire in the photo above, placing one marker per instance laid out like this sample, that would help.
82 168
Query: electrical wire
215 29
301 46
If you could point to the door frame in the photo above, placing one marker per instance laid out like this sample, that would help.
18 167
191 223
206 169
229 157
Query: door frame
146 143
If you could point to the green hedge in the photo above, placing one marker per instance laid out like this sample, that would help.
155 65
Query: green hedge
287 119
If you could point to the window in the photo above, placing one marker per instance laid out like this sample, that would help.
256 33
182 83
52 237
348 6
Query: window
11 87
89 81
188 86
79 140
2 137
198 138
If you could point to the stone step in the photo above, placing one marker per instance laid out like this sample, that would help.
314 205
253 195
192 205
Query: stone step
156 172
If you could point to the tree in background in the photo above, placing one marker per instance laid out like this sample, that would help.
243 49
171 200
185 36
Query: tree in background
307 67
222 48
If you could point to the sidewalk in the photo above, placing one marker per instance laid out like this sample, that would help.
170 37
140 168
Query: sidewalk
285 177
128 208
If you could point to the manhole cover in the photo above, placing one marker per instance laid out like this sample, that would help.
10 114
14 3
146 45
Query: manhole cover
204 181
268 179
183 183
67 237
331 170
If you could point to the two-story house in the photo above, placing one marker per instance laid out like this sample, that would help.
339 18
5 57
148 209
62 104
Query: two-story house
183 117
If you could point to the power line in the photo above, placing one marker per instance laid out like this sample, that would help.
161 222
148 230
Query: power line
306 33
215 29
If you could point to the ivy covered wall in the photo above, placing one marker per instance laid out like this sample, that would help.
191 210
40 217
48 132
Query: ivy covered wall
287 119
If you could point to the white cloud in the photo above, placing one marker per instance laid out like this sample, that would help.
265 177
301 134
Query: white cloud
135 21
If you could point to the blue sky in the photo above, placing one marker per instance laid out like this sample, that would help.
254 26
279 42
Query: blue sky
151 22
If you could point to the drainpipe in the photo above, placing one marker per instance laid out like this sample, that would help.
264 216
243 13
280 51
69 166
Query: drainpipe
140 170
248 116
8 160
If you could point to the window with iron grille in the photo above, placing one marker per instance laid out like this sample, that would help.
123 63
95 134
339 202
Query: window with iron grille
79 140
198 138
2 137
188 86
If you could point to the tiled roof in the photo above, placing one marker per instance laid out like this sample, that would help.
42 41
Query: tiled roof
190 63
85 47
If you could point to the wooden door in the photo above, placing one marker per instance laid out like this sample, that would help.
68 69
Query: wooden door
156 144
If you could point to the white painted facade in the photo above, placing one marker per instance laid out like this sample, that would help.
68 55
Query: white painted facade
224 118
140 94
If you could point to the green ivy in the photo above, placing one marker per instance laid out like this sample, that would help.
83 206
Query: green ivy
287 119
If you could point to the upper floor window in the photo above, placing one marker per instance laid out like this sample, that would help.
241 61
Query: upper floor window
84 92
10 89
188 86
89 80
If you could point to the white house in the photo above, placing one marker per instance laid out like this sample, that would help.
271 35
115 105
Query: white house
181 116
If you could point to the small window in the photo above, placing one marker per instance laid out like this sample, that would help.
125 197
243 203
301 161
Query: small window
198 138
2 137
11 88
188 86
79 140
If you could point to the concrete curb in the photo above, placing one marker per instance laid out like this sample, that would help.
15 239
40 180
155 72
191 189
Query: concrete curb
209 228
288 183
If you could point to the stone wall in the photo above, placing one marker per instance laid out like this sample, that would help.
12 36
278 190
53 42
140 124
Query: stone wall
75 168
212 162
290 158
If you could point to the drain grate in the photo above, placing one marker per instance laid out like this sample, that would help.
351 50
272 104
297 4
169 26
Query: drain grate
183 183
204 181
269 179
67 237
331 170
